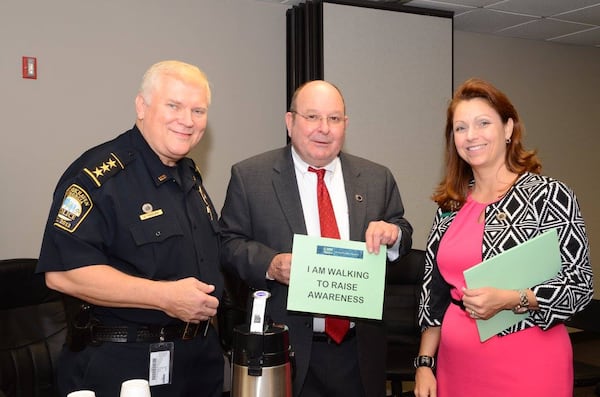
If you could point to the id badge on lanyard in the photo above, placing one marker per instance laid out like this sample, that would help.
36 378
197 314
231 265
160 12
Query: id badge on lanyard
161 363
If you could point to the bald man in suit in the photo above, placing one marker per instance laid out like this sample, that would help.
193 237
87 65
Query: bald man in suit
273 196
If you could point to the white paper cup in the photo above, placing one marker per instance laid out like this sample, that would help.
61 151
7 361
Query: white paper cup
135 388
82 393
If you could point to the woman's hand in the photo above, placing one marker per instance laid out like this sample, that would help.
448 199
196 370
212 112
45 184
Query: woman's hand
425 383
483 303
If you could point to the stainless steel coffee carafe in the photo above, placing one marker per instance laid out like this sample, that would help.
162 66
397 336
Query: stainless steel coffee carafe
261 362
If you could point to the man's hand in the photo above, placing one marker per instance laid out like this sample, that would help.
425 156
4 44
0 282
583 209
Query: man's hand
280 267
380 232
188 299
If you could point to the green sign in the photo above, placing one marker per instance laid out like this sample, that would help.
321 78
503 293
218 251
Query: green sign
336 277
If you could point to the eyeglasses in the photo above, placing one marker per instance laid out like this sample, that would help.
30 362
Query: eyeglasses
317 118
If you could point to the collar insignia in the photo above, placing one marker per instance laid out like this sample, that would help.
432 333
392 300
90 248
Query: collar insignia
108 168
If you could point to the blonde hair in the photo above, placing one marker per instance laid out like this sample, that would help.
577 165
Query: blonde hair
176 69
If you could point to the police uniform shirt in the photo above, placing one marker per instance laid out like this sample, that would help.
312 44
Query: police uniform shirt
118 204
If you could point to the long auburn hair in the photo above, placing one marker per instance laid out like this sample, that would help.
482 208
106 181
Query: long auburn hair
451 193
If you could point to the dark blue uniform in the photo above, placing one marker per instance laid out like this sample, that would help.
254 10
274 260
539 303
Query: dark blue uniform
118 204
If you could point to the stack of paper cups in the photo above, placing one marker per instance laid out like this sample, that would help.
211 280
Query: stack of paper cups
135 388
82 393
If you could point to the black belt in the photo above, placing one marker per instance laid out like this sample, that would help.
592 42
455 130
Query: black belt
148 334
323 337
458 303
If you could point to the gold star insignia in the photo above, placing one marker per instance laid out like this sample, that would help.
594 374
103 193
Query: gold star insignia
105 167
98 172
112 163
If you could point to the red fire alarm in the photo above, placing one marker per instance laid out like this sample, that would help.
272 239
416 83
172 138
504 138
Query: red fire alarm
29 68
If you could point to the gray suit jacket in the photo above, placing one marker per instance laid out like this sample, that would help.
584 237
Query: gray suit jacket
263 211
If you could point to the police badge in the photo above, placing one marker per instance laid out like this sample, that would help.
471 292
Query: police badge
76 205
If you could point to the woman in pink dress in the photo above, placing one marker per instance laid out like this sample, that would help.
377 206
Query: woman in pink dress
492 198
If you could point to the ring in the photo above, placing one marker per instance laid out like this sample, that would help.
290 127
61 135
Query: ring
472 313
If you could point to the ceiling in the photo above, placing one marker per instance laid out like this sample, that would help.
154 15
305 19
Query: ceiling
574 22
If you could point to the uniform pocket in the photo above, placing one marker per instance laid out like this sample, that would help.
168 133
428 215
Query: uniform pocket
155 230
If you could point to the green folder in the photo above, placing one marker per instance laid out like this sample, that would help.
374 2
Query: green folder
523 266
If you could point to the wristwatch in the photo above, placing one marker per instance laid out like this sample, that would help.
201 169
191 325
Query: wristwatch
523 305
424 361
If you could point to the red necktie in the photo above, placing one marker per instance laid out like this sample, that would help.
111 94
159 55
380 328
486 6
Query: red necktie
335 327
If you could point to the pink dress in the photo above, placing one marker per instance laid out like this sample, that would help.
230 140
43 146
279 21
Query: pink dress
532 362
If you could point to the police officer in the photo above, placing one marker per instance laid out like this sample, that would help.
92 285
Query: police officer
133 234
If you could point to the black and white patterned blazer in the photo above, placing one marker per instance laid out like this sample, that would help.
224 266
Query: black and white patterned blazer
534 204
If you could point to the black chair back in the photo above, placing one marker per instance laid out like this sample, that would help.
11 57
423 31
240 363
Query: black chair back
403 286
32 330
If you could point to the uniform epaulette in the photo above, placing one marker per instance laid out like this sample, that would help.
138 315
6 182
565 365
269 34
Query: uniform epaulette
104 169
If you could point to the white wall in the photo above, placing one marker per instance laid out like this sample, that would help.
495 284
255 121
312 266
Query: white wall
91 57
396 93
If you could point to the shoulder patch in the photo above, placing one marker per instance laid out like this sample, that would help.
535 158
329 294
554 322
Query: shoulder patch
75 207
101 172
